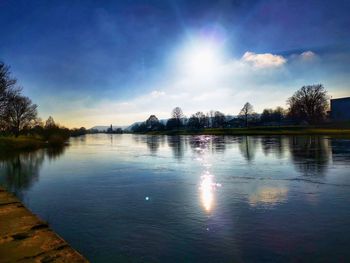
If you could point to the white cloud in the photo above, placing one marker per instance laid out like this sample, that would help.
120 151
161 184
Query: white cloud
308 55
266 60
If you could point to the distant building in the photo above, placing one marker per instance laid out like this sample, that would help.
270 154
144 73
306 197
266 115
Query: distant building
340 109
110 129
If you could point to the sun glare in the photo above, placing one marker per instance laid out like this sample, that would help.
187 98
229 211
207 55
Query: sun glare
200 58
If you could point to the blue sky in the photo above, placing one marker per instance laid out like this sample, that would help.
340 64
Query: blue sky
92 63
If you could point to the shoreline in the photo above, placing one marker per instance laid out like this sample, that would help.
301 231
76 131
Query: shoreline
25 237
259 131
25 143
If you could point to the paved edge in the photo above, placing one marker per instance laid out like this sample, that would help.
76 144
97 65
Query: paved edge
24 237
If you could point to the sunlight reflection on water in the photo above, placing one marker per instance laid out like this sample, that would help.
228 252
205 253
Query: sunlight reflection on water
207 184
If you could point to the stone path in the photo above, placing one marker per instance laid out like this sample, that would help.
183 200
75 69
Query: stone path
26 238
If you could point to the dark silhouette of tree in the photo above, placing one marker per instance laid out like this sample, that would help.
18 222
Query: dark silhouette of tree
50 123
172 124
78 132
309 104
7 89
266 115
197 121
20 112
177 113
175 122
270 115
279 114
193 122
135 127
246 113
152 121
219 120
153 124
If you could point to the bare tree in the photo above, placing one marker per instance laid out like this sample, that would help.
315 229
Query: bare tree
246 112
219 120
270 115
7 89
177 113
177 116
50 123
197 120
20 112
309 104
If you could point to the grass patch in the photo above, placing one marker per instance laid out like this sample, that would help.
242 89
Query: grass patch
9 143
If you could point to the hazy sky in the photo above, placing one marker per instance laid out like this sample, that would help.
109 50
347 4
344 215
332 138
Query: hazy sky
92 63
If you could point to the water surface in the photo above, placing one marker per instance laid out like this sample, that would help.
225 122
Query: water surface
192 198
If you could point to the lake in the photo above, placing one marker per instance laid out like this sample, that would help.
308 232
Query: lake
142 198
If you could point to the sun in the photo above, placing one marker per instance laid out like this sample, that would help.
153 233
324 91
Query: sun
200 58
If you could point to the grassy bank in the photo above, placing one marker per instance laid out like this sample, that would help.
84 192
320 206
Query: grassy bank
294 130
27 143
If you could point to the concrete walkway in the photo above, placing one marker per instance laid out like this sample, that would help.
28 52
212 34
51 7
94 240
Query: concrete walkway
26 238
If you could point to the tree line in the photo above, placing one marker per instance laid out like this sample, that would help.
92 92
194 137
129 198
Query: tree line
306 106
19 115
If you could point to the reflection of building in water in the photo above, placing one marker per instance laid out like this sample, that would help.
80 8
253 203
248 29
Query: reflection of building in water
268 196
247 146
340 150
177 144
310 154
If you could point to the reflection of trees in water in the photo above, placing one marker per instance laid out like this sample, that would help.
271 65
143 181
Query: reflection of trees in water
196 143
153 142
274 144
137 138
54 152
21 170
219 144
18 171
247 146
216 144
310 154
177 145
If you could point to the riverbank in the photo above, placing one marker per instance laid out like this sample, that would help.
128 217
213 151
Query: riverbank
286 130
27 143
26 238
